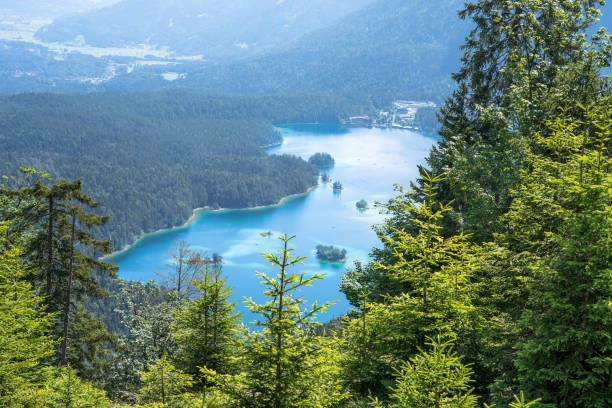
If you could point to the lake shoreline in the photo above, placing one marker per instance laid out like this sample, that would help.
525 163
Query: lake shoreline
194 216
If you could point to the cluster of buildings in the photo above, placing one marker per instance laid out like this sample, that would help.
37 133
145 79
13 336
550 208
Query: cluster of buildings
402 115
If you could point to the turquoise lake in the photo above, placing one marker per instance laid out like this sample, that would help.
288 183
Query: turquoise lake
368 163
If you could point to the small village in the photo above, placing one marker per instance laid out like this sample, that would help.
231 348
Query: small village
401 115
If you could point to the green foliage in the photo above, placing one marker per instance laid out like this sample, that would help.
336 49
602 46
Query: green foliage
206 325
163 383
63 252
283 354
218 161
436 270
434 379
520 61
329 253
148 313
561 217
507 257
321 160
25 345
519 402
361 204
284 364
67 390
433 276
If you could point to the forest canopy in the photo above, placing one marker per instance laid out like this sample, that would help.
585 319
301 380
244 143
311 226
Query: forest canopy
321 160
162 154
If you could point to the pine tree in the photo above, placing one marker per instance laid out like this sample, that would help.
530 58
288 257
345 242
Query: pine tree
561 218
435 276
434 379
164 384
284 364
65 252
507 86
25 346
207 323
67 390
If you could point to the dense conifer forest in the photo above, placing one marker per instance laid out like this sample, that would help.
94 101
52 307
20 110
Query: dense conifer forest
163 154
491 284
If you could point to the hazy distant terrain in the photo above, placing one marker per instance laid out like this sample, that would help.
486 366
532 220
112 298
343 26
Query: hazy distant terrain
50 8
403 46
400 48
214 28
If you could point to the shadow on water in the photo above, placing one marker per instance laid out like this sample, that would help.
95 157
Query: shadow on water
315 128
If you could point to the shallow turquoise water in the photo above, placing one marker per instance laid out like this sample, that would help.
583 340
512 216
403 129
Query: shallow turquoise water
368 163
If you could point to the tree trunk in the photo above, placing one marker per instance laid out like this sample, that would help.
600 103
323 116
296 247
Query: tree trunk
68 296
279 339
49 247
163 385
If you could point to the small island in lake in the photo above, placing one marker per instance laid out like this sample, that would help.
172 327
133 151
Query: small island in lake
337 186
329 253
361 205
325 178
322 160
267 234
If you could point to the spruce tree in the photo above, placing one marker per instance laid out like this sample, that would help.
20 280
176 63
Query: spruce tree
281 353
284 364
25 346
67 390
561 219
434 273
163 383
506 88
64 252
435 378
206 324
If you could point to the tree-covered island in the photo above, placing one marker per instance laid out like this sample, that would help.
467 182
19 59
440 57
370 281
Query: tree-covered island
322 160
362 205
329 253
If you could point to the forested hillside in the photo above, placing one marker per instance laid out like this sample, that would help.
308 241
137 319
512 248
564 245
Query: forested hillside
394 47
49 9
26 67
212 28
405 49
163 154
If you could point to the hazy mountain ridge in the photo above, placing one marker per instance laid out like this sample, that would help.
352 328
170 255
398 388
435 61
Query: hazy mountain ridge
50 8
404 47
397 48
214 28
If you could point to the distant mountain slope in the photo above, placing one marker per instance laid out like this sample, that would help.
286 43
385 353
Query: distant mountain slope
214 28
394 48
406 47
50 8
